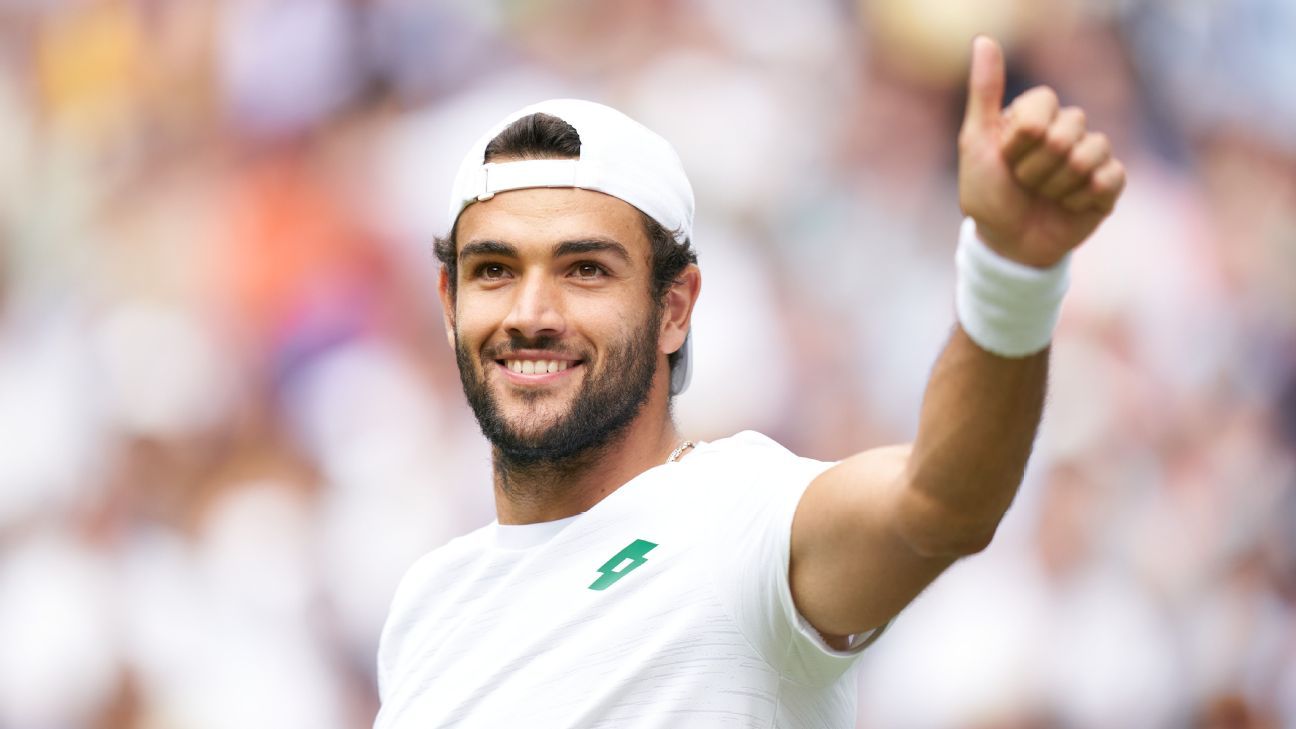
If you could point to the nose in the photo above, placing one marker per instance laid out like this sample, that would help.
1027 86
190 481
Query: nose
536 308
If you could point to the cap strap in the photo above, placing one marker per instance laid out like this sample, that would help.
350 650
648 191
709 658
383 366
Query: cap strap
496 177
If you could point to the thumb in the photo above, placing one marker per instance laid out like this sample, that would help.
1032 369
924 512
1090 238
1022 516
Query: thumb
985 85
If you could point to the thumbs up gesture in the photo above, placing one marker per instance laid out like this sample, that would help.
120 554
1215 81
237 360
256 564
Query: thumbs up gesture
1034 179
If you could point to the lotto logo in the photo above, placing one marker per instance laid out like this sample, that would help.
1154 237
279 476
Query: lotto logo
622 563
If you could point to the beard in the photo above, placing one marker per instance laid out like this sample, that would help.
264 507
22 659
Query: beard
606 403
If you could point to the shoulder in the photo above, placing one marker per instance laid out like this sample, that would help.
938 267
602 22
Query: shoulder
428 575
745 471
418 592
754 453
448 558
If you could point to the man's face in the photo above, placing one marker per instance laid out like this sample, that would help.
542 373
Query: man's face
554 330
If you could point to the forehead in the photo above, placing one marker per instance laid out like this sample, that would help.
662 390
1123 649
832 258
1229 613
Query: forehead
546 216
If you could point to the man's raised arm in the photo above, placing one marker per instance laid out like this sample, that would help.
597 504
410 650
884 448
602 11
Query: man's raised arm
874 530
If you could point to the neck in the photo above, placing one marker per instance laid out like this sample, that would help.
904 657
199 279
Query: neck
551 490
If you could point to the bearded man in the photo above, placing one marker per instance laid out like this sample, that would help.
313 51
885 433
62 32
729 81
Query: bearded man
635 578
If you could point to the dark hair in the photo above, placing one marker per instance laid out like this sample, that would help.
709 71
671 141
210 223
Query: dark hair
541 136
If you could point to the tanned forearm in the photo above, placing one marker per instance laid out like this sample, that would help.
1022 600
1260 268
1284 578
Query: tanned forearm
977 424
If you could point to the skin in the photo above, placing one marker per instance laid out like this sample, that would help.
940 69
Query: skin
535 285
873 531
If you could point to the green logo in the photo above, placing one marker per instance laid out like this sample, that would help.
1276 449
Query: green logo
622 563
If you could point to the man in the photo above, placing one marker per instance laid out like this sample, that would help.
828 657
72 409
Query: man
634 578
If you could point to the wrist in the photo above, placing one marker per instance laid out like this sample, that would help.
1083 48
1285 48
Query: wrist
1008 308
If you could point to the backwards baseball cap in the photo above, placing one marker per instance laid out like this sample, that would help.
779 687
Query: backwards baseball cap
618 157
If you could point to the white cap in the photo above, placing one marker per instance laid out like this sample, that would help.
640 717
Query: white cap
618 157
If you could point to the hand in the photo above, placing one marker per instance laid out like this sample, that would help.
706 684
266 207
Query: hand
1036 182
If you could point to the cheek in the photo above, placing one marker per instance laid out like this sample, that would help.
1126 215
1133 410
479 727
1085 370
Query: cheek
477 316
616 328
601 317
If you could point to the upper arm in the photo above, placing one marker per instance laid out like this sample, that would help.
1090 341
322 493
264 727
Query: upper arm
851 568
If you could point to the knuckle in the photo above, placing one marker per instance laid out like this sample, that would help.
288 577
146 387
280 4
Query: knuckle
1033 128
1113 176
1078 163
1057 141
1090 153
1045 94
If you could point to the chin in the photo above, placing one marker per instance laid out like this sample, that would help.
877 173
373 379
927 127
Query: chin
530 422
523 402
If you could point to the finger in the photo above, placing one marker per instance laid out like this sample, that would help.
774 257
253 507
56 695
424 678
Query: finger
1086 156
1067 130
1103 189
985 86
1028 118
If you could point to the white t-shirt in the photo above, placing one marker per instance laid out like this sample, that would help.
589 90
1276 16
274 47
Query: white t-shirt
665 605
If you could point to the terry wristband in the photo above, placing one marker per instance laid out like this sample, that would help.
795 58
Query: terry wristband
1007 308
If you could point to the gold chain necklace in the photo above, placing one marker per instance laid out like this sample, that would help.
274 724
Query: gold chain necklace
675 454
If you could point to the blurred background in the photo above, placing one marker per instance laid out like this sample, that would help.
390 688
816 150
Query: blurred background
229 419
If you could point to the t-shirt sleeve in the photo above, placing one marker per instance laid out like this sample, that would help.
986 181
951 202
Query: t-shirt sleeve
752 576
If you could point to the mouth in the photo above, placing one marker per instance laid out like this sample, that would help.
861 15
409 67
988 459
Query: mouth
536 369
537 366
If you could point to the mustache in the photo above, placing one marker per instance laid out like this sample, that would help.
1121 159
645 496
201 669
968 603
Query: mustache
517 342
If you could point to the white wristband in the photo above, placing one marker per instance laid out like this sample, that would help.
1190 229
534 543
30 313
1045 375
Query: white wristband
1006 307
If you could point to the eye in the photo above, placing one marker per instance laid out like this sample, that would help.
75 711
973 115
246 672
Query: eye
491 271
588 269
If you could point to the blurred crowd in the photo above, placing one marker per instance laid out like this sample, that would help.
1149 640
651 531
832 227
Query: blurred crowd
229 419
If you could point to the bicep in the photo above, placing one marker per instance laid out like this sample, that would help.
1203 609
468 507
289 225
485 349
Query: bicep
851 570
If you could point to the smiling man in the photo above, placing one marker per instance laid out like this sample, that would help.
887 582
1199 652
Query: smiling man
635 578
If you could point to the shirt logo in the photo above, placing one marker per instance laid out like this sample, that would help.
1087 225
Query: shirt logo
623 563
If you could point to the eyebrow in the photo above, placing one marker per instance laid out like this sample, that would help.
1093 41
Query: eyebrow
487 248
566 248
592 245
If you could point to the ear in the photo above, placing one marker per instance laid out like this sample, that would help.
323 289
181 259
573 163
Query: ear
677 315
447 305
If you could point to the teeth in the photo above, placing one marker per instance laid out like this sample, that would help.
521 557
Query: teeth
536 367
